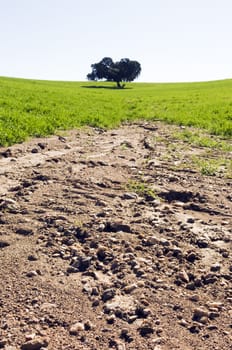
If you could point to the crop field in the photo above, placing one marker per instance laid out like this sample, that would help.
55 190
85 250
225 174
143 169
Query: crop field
30 108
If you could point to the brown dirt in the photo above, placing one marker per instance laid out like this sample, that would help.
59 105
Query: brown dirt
114 240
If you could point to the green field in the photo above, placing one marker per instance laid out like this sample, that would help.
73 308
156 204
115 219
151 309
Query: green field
31 108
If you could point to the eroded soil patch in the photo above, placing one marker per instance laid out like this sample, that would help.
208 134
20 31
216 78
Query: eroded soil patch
113 240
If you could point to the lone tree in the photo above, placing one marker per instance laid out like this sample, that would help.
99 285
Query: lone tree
123 71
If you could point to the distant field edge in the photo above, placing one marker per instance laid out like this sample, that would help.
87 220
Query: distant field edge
39 108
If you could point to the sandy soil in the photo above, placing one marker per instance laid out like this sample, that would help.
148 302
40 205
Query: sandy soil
114 240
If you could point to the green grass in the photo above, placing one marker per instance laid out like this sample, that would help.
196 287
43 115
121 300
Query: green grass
31 108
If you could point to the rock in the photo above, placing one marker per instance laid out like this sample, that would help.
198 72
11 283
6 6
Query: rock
76 328
4 244
88 325
81 263
150 241
32 257
125 335
35 344
142 312
108 294
25 231
146 329
190 220
31 273
215 267
42 145
3 342
9 204
117 226
215 305
194 329
130 196
111 319
202 243
183 276
6 153
129 288
191 257
200 315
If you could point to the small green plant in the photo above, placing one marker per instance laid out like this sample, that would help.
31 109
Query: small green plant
141 188
208 169
196 138
212 166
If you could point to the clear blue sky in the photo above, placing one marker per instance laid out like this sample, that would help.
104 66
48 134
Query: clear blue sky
174 40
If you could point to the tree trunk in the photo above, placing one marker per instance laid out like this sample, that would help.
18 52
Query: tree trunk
119 85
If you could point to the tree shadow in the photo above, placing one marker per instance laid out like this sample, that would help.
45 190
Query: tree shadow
105 87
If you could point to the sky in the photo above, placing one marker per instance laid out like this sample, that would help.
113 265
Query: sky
174 40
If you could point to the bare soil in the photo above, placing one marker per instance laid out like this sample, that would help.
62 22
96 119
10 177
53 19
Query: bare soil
114 240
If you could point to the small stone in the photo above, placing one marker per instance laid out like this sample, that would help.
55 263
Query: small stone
42 145
95 303
215 267
111 319
194 298
35 344
3 343
199 314
183 323
31 274
32 257
153 240
129 288
117 226
4 244
225 254
24 231
131 195
81 263
146 329
191 257
202 243
215 305
190 220
76 328
184 276
194 329
142 312
108 294
88 325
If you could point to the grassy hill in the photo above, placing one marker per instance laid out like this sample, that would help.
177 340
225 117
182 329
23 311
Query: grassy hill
39 108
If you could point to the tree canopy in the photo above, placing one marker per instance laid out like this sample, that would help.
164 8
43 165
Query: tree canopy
124 70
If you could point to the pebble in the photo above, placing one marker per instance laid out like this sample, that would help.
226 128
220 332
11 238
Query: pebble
202 243
146 329
215 267
131 195
35 344
24 231
31 273
200 315
129 288
183 276
76 328
32 257
4 244
191 257
108 294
